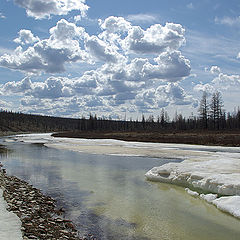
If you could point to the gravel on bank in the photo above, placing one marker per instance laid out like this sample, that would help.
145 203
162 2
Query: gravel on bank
38 213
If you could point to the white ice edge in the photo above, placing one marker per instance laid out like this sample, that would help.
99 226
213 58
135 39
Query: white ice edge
124 155
211 169
10 224
216 174
229 204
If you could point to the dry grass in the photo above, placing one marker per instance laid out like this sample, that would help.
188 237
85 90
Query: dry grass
231 139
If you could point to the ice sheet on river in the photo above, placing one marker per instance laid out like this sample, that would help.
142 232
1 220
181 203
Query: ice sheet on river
217 173
209 169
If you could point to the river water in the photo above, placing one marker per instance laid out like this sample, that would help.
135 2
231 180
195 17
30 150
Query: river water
109 197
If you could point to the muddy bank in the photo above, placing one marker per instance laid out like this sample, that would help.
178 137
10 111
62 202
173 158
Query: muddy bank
38 213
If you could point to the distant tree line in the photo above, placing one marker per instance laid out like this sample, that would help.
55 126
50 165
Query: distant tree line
211 116
20 122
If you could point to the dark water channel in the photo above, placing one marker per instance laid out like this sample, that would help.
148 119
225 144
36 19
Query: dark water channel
109 197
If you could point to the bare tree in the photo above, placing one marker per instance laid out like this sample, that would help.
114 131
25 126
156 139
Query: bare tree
204 110
216 109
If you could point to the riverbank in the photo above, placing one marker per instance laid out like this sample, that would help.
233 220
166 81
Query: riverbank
40 219
209 138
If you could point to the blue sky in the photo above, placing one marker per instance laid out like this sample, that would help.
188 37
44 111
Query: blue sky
117 58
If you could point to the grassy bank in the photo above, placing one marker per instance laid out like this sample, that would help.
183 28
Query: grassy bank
230 139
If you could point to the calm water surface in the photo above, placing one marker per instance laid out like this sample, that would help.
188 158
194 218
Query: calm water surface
109 197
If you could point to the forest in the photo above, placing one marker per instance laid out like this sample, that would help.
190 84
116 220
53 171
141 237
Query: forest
211 117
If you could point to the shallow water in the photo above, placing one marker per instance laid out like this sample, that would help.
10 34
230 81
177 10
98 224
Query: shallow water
109 197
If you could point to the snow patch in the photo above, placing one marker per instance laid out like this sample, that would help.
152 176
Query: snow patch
229 204
33 138
217 173
192 193
221 176
208 197
124 155
10 224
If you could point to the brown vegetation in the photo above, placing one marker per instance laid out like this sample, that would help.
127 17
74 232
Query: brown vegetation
227 138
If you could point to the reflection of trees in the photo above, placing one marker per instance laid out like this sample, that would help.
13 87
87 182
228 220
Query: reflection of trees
3 151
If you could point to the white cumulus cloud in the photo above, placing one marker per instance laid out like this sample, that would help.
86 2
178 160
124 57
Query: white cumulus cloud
48 55
171 66
65 30
20 87
215 70
40 9
25 37
155 39
52 88
221 82
131 68
115 24
100 50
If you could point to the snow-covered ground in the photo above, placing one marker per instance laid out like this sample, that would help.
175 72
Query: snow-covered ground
10 224
212 171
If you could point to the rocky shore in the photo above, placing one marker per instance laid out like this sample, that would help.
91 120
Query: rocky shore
38 213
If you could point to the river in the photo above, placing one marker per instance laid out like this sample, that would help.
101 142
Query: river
108 196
